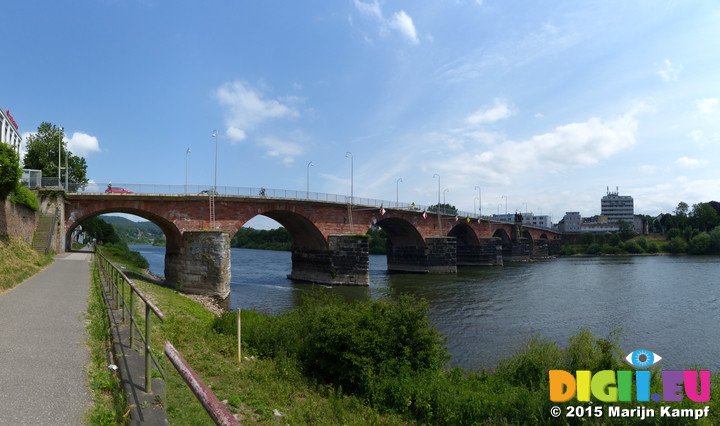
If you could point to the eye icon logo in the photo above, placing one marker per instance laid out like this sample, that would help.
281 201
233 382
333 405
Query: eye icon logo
642 358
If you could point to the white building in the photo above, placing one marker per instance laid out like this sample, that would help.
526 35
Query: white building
617 207
570 222
9 130
542 221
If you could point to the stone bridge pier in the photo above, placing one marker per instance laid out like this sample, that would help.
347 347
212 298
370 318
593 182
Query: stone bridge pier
345 262
200 264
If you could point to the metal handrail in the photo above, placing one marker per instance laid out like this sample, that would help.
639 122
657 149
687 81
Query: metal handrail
117 281
219 412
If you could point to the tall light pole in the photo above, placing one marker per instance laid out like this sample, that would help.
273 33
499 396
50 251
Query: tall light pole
505 197
438 203
60 130
215 135
444 191
67 172
397 191
308 179
479 201
187 153
352 167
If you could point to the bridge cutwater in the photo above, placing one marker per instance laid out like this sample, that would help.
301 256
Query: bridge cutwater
328 245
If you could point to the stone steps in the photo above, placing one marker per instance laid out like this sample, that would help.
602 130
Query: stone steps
42 232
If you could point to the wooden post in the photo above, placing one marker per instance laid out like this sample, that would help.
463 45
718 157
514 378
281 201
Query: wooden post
239 337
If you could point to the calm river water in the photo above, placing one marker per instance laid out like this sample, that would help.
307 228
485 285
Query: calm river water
666 304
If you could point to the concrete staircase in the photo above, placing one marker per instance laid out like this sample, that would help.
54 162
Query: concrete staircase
42 232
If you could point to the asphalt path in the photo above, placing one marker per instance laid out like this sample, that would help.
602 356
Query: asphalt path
42 346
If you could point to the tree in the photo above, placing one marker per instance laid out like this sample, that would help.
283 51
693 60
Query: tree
42 154
10 171
586 238
444 208
626 230
704 216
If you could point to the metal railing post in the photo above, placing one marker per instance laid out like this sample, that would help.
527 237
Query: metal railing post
122 297
132 319
148 366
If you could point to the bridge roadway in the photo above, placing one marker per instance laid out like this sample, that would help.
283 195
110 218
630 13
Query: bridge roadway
327 242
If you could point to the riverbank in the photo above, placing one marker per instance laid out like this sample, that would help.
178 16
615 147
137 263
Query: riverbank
272 388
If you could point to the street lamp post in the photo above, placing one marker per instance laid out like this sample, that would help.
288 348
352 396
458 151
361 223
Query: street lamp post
67 172
397 191
444 191
215 135
352 170
60 130
308 179
505 197
479 201
186 167
438 203
352 167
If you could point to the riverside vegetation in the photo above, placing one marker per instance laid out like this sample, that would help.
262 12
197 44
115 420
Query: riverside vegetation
374 361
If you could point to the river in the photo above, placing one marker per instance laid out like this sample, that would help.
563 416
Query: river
666 304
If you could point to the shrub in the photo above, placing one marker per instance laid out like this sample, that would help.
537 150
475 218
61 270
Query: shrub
676 245
699 244
672 233
614 240
25 197
594 248
653 247
632 247
586 238
642 242
567 250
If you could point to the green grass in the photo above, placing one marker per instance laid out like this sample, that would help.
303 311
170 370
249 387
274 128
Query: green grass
282 378
18 261
109 401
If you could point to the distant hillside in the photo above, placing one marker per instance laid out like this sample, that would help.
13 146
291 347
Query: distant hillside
144 232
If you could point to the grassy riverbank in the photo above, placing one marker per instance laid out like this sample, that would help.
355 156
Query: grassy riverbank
18 261
330 362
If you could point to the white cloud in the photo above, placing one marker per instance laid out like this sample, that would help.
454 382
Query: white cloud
707 105
82 144
279 148
571 145
400 22
404 24
697 135
669 72
499 111
690 163
247 108
647 169
372 9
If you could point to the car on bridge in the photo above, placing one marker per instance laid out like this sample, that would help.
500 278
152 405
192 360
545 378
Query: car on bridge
117 190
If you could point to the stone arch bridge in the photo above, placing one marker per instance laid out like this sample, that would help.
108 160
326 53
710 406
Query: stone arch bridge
328 245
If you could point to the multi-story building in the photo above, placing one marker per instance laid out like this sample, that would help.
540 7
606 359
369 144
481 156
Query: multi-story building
542 221
617 207
570 223
9 130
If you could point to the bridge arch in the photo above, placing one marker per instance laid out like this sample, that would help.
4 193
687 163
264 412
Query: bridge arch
506 243
529 239
305 235
406 248
172 233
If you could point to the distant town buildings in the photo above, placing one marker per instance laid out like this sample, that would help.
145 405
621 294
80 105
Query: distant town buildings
614 208
9 130
528 218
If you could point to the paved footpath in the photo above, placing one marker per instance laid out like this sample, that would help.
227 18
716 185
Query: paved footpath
42 346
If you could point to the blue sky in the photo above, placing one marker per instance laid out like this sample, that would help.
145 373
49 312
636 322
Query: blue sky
546 103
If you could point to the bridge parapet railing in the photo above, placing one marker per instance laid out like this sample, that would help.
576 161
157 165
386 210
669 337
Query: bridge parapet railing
260 192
